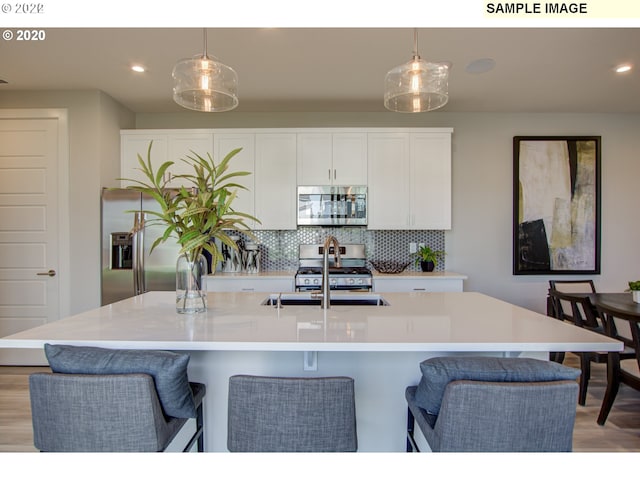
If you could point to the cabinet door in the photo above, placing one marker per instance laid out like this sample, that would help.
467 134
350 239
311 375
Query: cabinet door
430 176
132 145
184 144
275 188
314 159
218 283
244 161
417 285
388 172
349 159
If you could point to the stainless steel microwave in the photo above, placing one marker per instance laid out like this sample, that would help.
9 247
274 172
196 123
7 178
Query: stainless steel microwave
332 205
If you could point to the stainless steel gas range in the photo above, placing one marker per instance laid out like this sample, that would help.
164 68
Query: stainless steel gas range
352 274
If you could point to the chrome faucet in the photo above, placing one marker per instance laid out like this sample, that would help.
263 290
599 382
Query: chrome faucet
326 300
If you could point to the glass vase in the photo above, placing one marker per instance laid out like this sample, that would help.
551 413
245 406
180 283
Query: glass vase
191 284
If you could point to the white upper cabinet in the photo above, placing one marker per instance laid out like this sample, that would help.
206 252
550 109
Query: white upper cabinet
430 178
275 181
388 192
330 158
132 145
410 180
243 161
407 171
186 144
167 145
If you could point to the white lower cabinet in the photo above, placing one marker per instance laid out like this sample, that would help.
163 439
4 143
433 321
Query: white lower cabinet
242 283
418 284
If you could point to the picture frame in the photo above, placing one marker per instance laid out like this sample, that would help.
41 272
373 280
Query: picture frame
556 205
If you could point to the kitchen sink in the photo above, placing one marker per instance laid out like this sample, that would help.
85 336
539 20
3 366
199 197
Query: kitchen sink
337 299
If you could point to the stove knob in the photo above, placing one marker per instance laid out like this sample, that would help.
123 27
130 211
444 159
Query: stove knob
306 281
316 281
351 281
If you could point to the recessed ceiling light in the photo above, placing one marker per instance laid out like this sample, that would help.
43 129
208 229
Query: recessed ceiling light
623 68
481 65
138 68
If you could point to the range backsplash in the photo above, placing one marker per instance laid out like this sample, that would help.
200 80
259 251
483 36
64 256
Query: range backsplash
279 248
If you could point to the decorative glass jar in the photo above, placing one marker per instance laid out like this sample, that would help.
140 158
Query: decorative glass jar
191 283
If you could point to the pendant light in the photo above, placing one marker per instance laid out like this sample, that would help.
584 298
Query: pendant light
204 84
418 85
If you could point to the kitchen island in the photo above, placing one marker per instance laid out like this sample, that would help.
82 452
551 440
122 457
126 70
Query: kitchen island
379 346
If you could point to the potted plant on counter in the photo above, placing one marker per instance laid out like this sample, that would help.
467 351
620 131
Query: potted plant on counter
195 214
634 288
428 258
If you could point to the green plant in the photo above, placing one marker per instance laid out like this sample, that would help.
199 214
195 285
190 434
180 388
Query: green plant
634 285
198 211
426 254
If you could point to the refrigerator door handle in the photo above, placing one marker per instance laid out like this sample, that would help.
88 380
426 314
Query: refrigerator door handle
138 254
141 270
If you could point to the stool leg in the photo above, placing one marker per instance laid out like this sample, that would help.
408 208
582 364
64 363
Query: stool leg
411 443
200 428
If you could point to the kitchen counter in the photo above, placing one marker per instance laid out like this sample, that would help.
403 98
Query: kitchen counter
379 346
436 322
239 275
415 274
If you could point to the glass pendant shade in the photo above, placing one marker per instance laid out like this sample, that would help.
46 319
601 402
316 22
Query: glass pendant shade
204 84
417 86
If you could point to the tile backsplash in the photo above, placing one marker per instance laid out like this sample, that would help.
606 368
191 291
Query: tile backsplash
279 248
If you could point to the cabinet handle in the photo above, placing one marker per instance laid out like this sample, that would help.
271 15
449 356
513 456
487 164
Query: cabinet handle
419 289
329 172
334 173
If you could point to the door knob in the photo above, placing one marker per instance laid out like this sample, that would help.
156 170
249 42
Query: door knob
50 273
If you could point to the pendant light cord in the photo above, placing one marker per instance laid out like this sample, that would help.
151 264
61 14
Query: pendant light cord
415 43
204 35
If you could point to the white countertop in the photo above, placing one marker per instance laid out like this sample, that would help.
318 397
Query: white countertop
245 275
289 274
413 322
421 275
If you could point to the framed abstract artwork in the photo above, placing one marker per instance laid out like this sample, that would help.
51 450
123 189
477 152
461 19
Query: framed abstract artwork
556 205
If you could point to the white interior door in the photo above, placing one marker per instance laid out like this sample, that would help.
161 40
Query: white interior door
29 229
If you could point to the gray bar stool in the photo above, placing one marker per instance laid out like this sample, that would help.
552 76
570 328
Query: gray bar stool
285 414
105 413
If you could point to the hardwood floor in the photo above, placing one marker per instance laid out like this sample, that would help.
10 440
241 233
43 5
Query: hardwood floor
621 433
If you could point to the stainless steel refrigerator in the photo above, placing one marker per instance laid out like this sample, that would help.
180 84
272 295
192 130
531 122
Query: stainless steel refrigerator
127 267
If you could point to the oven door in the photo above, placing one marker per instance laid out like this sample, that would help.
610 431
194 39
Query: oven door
301 286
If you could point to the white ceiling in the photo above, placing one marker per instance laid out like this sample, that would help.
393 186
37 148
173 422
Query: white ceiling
340 69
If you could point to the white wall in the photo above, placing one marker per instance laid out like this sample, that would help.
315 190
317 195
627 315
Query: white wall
480 242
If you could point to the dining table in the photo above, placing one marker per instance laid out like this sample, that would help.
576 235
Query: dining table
619 302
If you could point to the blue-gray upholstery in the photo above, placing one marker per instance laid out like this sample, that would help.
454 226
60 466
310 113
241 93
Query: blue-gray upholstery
438 372
498 416
168 369
104 413
276 414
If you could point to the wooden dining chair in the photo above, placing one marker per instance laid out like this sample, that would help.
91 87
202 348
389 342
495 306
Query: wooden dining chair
586 314
578 310
623 327
562 310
